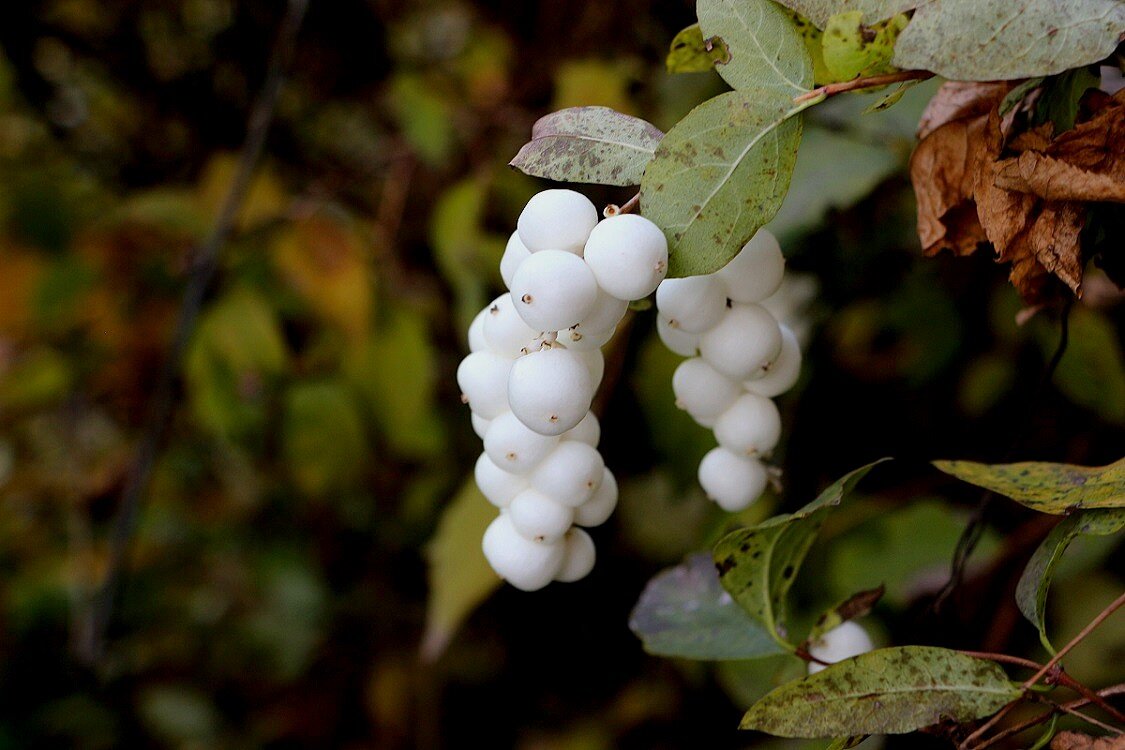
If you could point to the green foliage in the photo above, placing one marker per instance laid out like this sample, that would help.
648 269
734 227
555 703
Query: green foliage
1092 372
690 53
1031 593
888 691
872 12
1047 487
325 448
987 40
589 144
766 51
1058 103
851 49
685 612
855 606
758 565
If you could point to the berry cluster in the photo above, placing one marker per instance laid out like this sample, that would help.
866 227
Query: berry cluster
530 378
740 357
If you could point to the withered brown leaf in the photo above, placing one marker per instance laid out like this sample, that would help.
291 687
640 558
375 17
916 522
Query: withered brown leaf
1078 741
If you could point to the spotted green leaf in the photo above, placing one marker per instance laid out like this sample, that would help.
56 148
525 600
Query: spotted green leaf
1047 487
979 40
1031 593
685 612
758 565
872 11
855 606
764 47
689 52
719 175
852 49
888 691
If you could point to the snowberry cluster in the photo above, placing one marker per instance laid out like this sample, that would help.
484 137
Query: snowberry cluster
534 366
740 357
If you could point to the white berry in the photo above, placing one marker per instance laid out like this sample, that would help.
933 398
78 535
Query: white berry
579 338
693 304
594 361
604 315
579 556
598 509
514 254
477 342
553 290
701 390
550 390
480 425
505 331
731 480
514 447
628 255
571 474
783 372
681 342
497 485
483 378
588 431
756 272
539 517
745 339
525 564
841 642
750 426
557 220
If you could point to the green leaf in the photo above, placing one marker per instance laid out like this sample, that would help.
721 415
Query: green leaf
989 40
424 116
1017 94
589 144
852 49
323 442
887 691
765 49
685 612
1061 94
459 576
719 175
846 743
873 11
1047 487
690 53
855 606
891 99
758 565
1031 593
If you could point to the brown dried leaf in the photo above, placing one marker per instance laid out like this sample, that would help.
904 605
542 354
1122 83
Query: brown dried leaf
960 100
1055 180
1077 741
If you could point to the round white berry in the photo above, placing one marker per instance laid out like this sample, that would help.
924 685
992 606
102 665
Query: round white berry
745 339
497 485
750 426
514 254
553 289
505 331
595 363
556 220
628 255
701 390
513 446
480 425
525 564
550 390
571 474
588 431
598 509
604 315
681 342
578 556
841 642
731 480
783 372
483 377
585 339
477 342
693 304
539 517
756 272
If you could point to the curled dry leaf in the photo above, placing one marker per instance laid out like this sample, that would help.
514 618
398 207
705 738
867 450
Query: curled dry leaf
1078 741
1026 193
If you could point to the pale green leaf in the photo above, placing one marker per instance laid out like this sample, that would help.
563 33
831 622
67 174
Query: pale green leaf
1031 593
890 99
690 53
719 175
459 576
990 40
846 743
766 52
685 612
589 144
852 49
873 11
323 441
758 565
1092 373
887 691
1047 487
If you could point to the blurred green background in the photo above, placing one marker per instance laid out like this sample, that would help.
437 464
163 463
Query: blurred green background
277 592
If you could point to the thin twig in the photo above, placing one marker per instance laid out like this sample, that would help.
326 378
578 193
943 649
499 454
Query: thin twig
832 89
1085 717
204 265
1037 720
626 208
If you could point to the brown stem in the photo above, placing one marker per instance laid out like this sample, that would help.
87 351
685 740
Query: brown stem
1041 718
832 89
1102 616
627 208
1066 708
